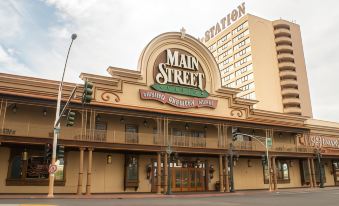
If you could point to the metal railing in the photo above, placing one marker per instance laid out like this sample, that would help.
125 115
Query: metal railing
122 137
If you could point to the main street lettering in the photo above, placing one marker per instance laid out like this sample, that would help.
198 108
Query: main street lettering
168 72
320 141
224 23
177 102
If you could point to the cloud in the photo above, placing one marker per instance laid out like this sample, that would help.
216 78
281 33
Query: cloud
114 32
9 64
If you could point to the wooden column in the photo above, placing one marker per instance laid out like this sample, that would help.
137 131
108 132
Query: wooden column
220 141
89 171
221 180
165 173
159 173
81 170
227 183
310 172
3 115
313 173
275 179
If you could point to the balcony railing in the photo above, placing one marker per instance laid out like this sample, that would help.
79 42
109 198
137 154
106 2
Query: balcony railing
122 137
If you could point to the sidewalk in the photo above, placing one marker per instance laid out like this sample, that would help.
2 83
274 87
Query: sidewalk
152 195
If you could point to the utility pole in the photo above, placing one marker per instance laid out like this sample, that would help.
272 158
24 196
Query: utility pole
57 124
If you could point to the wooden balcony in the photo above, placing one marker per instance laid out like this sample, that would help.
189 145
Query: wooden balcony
107 136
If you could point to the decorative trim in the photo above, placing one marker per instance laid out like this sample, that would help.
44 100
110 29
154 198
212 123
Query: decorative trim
237 112
106 96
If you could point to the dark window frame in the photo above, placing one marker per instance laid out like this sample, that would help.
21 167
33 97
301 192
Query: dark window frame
279 180
23 180
128 135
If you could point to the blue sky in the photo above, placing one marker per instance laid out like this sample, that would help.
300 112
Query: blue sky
35 34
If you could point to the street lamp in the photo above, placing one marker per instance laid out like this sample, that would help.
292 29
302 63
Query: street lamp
318 154
169 160
231 168
57 123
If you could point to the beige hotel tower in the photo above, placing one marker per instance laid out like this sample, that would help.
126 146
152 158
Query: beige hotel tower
264 59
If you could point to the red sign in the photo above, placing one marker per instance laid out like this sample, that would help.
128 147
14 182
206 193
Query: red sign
177 102
52 169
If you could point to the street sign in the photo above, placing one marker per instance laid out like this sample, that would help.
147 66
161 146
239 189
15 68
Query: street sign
52 169
269 142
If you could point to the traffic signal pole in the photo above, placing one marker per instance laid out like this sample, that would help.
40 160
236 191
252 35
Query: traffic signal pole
57 124
260 140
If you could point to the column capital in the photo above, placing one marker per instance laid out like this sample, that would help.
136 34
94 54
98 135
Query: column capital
90 148
82 148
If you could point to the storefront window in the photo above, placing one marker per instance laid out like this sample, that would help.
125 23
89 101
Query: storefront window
282 169
16 167
30 167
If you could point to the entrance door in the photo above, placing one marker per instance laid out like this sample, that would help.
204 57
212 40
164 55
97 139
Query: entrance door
336 171
188 179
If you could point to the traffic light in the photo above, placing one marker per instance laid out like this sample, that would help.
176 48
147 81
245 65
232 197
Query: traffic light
60 152
48 152
235 132
264 159
87 94
70 118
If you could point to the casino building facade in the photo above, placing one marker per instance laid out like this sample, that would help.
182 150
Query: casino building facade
166 125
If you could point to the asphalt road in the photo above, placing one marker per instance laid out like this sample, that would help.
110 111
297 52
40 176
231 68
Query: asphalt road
301 197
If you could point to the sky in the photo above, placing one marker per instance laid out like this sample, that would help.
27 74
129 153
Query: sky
35 35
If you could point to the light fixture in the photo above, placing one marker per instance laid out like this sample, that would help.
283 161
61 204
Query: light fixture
25 155
187 126
145 123
211 171
44 112
249 163
280 135
98 117
14 108
205 127
122 120
109 159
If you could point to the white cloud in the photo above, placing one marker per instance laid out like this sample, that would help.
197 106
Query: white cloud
9 19
114 32
9 64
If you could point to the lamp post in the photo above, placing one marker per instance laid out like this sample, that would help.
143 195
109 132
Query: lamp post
318 153
231 168
57 123
169 160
